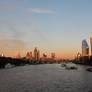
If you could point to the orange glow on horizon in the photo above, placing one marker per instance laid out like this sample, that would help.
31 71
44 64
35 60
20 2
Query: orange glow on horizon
59 55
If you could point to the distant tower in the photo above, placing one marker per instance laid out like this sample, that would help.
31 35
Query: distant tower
27 55
85 48
91 44
53 55
18 55
30 54
35 53
38 55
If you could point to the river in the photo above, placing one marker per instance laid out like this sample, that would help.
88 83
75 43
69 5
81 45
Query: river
45 78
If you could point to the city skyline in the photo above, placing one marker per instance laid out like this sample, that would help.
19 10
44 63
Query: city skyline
51 25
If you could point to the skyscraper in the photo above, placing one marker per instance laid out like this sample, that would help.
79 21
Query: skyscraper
91 44
38 55
85 48
35 53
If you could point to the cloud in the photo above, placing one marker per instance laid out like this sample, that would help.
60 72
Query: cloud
10 24
42 11
18 33
12 5
11 45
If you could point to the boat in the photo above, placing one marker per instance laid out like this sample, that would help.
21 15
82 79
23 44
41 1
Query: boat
72 68
63 65
9 66
89 69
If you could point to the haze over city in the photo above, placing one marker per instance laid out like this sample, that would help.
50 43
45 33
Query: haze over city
51 25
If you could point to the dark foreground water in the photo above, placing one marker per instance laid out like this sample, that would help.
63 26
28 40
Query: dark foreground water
45 78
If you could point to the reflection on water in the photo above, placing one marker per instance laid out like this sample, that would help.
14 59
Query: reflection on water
45 78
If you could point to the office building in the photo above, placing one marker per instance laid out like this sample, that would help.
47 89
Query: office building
91 44
85 48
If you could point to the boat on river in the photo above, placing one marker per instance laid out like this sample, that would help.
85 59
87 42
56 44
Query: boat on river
71 67
9 66
89 69
63 65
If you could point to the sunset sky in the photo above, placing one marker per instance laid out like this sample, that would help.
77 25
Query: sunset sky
51 25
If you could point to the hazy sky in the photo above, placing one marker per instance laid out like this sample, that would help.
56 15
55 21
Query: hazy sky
51 25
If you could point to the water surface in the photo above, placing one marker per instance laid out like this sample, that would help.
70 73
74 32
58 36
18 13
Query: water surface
45 78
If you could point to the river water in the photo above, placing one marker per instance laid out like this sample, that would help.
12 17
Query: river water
45 78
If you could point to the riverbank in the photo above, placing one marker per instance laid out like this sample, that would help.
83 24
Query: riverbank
8 61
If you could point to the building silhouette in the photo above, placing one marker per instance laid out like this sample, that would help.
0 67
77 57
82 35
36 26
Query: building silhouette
36 54
85 48
29 55
18 55
53 55
91 44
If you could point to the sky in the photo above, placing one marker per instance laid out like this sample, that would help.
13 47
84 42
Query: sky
51 25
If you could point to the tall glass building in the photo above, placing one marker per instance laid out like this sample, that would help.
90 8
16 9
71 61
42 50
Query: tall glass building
91 44
85 48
